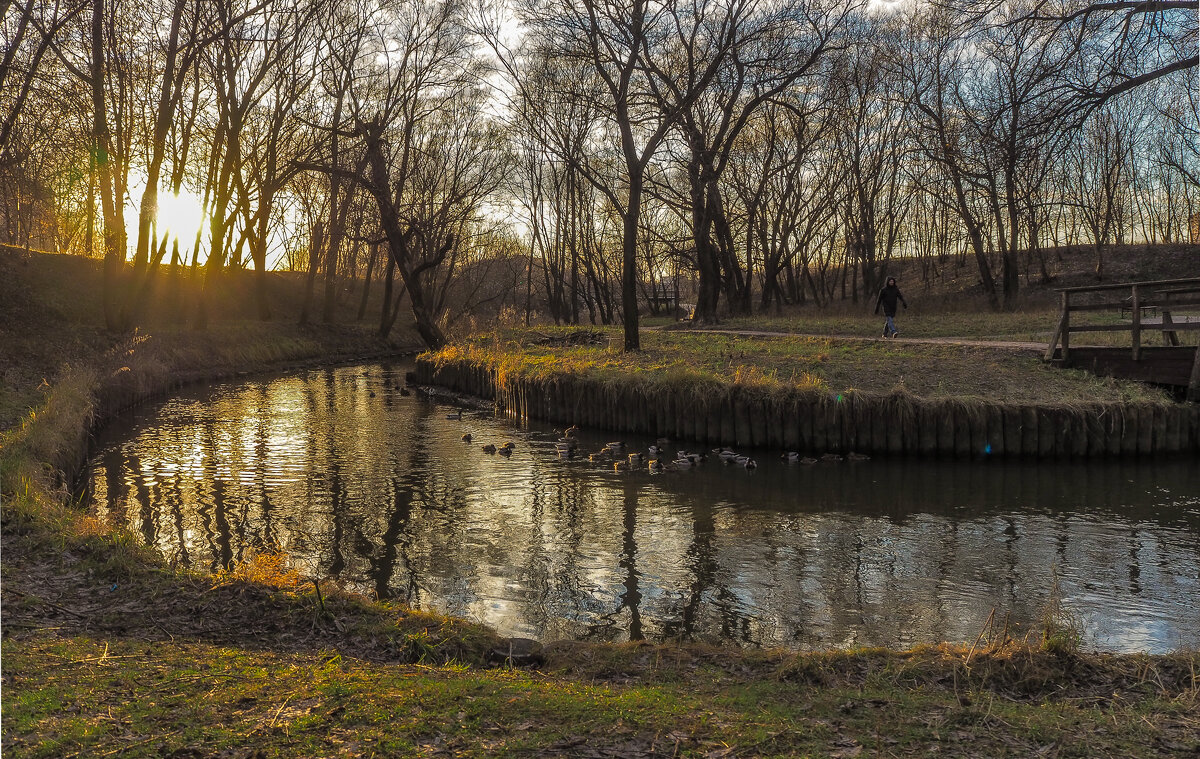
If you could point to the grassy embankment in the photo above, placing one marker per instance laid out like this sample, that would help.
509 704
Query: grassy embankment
948 303
109 652
826 365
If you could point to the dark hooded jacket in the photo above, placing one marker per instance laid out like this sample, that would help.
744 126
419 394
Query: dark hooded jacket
887 298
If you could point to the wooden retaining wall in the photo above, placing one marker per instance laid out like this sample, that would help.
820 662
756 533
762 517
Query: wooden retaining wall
814 424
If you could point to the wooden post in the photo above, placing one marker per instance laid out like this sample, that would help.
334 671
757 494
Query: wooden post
1170 336
1193 389
1137 323
1062 331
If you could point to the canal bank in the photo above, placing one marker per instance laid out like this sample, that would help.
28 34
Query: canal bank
108 650
815 421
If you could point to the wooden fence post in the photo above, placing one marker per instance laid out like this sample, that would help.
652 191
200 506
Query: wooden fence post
1137 323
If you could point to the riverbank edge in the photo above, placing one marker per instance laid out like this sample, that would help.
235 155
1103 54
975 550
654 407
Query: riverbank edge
37 508
712 412
45 530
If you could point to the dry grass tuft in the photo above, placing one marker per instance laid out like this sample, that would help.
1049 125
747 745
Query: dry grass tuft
268 568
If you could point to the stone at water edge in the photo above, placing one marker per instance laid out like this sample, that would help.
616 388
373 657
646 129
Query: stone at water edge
518 652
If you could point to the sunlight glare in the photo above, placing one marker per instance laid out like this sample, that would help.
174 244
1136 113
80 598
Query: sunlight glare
180 216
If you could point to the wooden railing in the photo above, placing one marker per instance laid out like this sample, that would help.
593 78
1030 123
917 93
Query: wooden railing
1164 297
1151 306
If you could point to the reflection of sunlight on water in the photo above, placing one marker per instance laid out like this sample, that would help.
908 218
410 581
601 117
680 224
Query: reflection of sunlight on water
337 469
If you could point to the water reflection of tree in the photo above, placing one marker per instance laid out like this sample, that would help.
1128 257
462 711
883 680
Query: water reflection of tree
631 598
833 554
263 418
397 538
701 561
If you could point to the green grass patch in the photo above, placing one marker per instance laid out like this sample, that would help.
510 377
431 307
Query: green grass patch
91 696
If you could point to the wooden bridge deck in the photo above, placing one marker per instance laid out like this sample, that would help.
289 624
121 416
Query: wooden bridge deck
1137 304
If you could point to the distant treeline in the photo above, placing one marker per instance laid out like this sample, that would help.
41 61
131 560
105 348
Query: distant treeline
577 158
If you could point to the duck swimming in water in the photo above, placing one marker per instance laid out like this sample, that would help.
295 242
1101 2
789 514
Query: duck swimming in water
466 438
489 448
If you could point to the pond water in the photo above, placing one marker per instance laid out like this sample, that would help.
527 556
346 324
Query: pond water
355 481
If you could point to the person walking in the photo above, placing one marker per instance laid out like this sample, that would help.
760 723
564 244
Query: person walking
888 297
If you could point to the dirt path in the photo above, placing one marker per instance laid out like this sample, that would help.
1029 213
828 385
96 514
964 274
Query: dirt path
1000 344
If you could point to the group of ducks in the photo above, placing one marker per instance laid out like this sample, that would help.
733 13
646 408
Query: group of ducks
653 459
503 450
793 457
389 384
567 447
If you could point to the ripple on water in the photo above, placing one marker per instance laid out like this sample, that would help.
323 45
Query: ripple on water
382 490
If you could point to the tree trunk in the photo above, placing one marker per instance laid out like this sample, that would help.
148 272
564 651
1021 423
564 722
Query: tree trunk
114 253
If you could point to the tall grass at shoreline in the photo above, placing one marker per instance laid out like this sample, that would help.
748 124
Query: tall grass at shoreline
769 364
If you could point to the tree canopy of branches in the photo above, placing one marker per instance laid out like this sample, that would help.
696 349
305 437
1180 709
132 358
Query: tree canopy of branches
578 159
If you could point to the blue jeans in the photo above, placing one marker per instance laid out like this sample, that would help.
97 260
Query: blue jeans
890 326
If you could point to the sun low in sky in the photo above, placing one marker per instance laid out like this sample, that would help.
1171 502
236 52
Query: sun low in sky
179 215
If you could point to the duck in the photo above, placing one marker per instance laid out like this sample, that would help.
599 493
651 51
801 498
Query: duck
852 456
694 458
621 466
509 445
749 463
455 417
808 460
792 456
615 447
636 458
489 448
405 391
742 460
683 463
655 450
726 455
504 451
371 394
466 438
831 457
656 466
571 431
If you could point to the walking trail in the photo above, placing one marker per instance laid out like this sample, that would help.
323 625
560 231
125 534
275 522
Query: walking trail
1011 345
